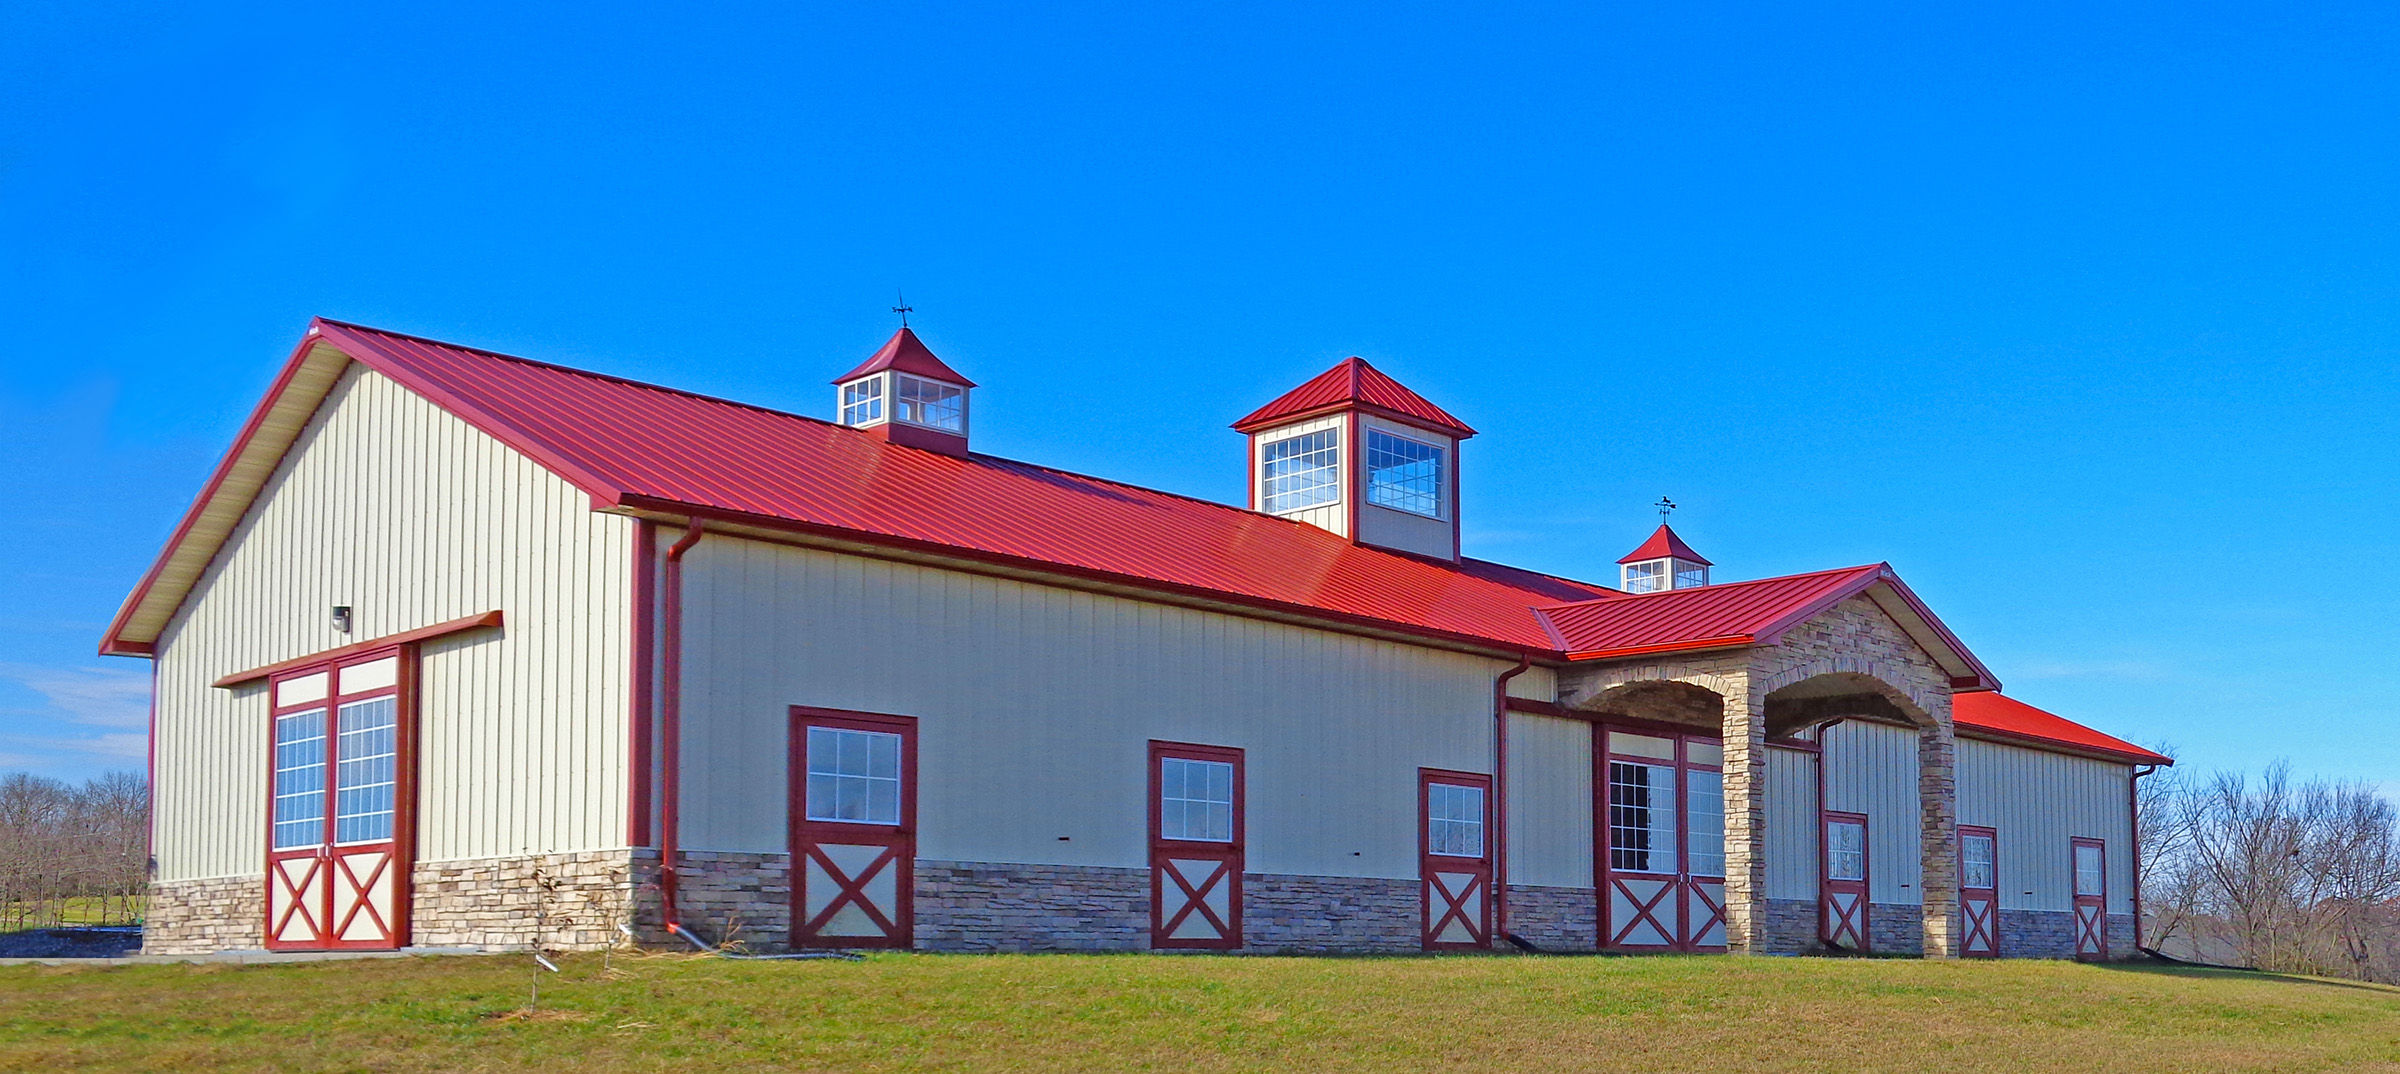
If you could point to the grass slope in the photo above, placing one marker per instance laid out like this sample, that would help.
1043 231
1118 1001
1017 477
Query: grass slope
1146 1012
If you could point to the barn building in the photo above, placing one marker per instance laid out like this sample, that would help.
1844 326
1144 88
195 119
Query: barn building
461 649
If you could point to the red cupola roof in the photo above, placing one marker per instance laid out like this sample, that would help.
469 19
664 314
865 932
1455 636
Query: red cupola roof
1354 385
1664 544
906 353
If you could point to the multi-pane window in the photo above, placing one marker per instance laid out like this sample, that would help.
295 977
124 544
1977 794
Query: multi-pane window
1976 867
367 772
1641 817
1646 577
2090 877
1704 826
853 775
1300 471
1454 820
300 779
931 403
1690 575
1404 474
1845 850
1195 800
862 401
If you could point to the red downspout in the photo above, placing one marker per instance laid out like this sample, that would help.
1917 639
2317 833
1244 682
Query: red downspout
642 733
2133 809
1500 794
670 723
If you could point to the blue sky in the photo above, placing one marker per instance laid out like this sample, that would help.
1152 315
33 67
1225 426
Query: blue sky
2082 317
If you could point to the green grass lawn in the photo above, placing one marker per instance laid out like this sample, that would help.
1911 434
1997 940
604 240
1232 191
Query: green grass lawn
1148 1012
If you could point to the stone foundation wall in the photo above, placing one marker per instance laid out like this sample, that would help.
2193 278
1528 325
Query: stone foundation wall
1896 928
2051 934
559 902
1792 927
1554 919
196 917
1282 912
726 897
987 906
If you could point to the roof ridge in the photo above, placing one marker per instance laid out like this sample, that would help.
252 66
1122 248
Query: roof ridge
1726 585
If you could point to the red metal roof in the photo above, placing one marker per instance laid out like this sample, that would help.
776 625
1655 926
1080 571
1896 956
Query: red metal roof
908 354
1354 384
644 446
1664 543
1736 613
2010 718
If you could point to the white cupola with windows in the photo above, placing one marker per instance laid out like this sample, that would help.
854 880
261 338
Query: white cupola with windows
1663 562
907 396
1355 452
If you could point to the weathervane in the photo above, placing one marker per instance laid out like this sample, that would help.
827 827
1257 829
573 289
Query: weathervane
1665 507
903 309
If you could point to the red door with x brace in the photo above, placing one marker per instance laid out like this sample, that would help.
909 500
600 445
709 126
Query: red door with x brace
1454 859
853 828
341 800
1979 890
1195 846
2091 899
1842 912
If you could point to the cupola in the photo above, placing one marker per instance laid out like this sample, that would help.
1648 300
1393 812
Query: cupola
907 396
1663 562
1355 452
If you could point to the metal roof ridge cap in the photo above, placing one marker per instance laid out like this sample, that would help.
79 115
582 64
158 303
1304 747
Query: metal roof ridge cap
1773 632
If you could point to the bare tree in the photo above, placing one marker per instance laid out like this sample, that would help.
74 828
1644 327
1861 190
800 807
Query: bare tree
60 843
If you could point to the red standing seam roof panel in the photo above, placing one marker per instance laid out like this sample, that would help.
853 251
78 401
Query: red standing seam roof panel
627 442
908 354
1353 383
1990 711
1735 613
1664 543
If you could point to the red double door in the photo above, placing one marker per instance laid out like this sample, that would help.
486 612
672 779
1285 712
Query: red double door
853 828
1662 841
341 804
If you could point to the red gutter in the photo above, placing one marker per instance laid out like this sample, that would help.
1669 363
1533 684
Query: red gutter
645 656
670 719
1500 794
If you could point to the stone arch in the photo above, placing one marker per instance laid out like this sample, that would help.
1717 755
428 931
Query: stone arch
1893 683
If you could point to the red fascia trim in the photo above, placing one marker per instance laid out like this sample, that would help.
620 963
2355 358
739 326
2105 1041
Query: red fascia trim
1038 566
109 645
405 637
1729 641
2060 745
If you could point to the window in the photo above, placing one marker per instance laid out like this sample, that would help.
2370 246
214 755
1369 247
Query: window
1641 817
369 754
1704 808
853 775
300 779
1454 820
1300 471
1195 800
1404 474
931 403
2090 876
862 401
1646 577
1845 850
1690 575
1976 867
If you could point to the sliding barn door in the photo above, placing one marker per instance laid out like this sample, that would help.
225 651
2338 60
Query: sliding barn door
1454 860
2091 899
1842 913
342 790
853 828
1195 847
1979 891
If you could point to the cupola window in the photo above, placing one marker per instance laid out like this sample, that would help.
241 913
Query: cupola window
931 403
1663 562
1300 472
862 402
1404 474
1646 577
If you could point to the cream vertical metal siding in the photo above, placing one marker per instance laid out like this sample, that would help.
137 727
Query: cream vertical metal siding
2040 802
1871 768
1550 801
1334 516
412 517
1036 706
1791 824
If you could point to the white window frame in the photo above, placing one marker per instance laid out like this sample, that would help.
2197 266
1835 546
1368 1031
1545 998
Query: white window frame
856 397
1654 576
1176 802
1441 474
1834 854
1331 467
835 777
900 402
1448 832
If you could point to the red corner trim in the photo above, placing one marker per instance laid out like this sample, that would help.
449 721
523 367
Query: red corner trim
454 626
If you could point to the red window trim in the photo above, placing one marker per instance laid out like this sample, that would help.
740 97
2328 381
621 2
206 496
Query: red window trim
1427 919
801 831
1236 850
405 689
349 653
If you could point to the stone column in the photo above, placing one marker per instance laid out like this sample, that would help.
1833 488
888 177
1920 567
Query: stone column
1937 810
1745 734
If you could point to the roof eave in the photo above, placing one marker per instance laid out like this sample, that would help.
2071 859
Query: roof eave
2060 745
